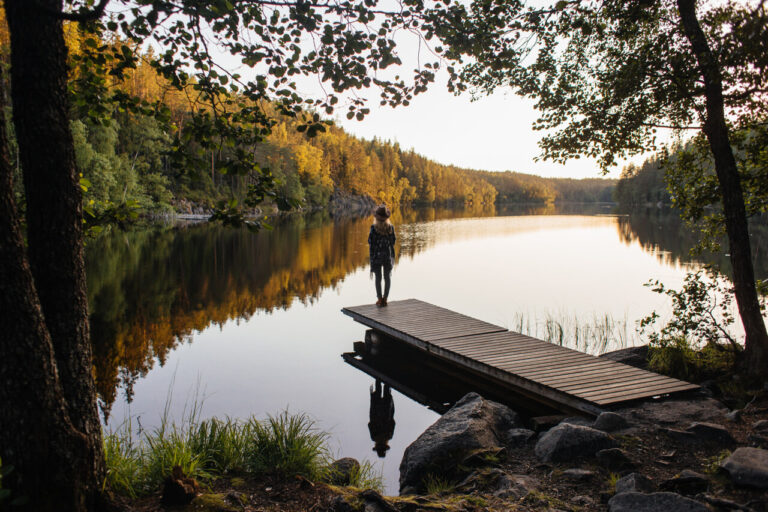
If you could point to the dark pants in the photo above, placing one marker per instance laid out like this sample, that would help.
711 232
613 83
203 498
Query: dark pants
376 268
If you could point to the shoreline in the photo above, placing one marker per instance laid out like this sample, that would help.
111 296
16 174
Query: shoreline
677 453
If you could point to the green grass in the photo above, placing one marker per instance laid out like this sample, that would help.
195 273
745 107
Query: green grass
613 478
435 484
364 477
286 444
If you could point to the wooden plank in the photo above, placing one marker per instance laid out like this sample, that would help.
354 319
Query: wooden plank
582 388
563 370
466 346
651 389
494 349
612 400
541 354
545 368
588 376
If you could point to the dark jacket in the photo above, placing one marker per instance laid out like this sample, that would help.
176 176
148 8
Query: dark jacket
382 247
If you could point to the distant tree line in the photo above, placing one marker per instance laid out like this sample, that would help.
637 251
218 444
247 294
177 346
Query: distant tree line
642 185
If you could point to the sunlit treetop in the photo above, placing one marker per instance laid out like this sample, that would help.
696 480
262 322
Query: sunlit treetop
240 63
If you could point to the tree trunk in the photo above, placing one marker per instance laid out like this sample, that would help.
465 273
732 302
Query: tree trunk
37 437
54 210
755 360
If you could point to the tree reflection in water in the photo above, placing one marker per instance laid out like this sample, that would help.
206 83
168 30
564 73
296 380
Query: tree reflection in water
151 289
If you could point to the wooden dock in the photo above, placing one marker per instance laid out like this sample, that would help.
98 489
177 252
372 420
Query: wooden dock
556 376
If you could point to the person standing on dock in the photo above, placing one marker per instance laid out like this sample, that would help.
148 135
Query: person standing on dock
381 240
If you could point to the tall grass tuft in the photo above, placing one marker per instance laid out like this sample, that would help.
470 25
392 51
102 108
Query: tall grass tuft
287 444
124 462
594 335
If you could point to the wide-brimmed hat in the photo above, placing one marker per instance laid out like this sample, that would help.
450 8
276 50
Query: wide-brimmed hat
381 213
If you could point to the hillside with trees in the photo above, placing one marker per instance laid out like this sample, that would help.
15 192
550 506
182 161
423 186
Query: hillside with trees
129 159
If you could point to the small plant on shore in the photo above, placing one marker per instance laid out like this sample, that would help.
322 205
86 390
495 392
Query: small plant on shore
696 343
435 484
287 444
712 464
613 478
366 476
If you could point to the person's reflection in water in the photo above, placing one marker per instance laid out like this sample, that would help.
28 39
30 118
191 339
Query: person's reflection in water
382 418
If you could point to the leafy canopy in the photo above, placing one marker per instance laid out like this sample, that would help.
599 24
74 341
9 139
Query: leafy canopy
606 75
239 64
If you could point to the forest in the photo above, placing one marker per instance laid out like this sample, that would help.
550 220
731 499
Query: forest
642 185
128 159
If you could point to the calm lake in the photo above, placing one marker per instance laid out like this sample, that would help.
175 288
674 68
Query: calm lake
250 323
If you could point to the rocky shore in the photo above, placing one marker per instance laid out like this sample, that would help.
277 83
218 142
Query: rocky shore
691 454
685 454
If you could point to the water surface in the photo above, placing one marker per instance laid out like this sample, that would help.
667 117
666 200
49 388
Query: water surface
252 320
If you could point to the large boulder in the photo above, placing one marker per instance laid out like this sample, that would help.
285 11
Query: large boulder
566 442
674 413
748 466
610 421
711 432
655 502
473 424
615 459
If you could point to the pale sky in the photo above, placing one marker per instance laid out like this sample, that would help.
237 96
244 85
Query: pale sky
492 133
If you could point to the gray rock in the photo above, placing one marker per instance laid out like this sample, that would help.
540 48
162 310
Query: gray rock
578 420
610 421
515 486
615 459
654 502
680 435
577 475
499 483
633 356
472 424
566 442
711 432
761 426
687 482
734 415
582 501
375 502
339 504
517 437
634 482
757 441
723 504
674 412
748 466
341 471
